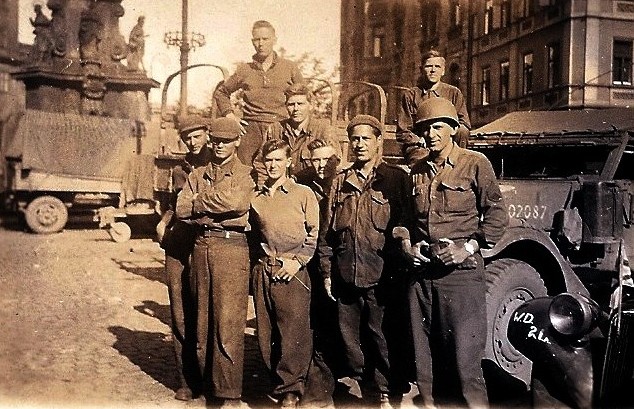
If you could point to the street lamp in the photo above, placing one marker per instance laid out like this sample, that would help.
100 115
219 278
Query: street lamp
186 41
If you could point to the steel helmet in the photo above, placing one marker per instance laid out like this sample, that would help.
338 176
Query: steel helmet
434 109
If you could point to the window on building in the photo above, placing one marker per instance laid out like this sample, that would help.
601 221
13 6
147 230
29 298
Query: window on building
527 8
527 74
622 62
485 88
378 41
454 11
488 16
554 64
505 13
505 67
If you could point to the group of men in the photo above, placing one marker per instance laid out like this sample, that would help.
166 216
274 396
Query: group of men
346 261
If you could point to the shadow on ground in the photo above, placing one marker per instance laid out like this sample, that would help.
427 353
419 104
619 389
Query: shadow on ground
151 273
152 352
153 309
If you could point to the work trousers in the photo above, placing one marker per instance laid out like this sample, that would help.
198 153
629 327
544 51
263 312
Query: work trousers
256 133
221 266
360 312
282 312
448 317
179 244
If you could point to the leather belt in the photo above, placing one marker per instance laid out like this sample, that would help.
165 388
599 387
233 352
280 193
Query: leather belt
226 234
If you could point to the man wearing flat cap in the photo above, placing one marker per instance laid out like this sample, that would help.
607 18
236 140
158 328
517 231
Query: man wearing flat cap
457 210
177 239
357 253
215 200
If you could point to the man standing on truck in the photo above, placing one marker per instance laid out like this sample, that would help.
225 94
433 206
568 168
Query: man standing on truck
178 243
358 256
457 210
430 86
263 82
215 200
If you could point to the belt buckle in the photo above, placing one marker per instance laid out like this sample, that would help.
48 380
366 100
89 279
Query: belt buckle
227 234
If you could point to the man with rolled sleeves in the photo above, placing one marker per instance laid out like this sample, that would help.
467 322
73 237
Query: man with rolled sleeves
263 82
457 210
357 253
178 243
430 86
286 216
215 200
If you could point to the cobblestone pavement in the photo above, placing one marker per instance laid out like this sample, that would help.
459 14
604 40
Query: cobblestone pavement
86 324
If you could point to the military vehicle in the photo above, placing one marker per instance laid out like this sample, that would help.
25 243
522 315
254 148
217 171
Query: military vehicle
560 300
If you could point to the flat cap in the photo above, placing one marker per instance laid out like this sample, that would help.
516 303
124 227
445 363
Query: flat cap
190 123
365 120
434 109
225 128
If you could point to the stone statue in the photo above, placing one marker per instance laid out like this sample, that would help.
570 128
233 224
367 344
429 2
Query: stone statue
44 42
136 46
90 37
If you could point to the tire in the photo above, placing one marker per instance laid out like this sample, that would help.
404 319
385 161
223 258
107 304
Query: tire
46 214
510 283
120 232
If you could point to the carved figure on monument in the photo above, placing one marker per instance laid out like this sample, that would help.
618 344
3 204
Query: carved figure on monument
136 46
43 42
90 37
57 27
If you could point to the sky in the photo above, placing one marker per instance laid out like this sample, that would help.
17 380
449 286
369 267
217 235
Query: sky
302 26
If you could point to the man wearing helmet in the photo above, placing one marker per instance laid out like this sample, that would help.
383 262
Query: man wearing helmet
457 210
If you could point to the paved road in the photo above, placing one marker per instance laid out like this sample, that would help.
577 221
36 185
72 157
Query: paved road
86 324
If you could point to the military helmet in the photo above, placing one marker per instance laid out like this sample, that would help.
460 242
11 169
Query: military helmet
435 109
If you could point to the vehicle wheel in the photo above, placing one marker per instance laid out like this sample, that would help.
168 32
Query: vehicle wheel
46 214
120 232
510 283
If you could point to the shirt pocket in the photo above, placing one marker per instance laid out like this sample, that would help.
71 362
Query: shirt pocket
458 197
343 212
420 198
379 210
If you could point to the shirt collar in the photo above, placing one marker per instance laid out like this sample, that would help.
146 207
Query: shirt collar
450 160
259 64
285 187
225 169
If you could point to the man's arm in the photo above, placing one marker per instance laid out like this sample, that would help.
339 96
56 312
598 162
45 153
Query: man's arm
491 206
324 249
185 198
231 200
222 95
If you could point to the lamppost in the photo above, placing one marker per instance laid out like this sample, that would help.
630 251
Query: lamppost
186 41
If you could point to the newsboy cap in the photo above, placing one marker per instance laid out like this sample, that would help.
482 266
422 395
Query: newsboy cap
190 123
435 109
365 120
225 128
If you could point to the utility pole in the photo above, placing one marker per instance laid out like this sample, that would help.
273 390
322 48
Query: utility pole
186 42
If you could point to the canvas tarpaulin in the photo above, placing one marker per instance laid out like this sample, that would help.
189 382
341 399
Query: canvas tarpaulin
73 145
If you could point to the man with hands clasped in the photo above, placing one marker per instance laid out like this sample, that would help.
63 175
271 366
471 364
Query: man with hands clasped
457 209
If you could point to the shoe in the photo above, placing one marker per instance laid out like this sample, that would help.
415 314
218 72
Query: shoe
290 400
184 393
234 404
384 400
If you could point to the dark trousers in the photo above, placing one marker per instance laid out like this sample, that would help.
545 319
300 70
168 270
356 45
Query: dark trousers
221 266
179 244
282 312
256 133
360 313
448 317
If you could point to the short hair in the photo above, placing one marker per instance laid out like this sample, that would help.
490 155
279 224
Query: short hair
298 88
275 144
263 24
432 54
321 143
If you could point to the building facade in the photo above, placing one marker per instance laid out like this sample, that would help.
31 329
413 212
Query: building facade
505 55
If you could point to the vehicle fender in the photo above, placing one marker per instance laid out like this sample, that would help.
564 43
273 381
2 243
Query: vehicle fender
561 364
536 248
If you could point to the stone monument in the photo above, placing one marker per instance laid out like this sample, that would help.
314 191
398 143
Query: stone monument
76 66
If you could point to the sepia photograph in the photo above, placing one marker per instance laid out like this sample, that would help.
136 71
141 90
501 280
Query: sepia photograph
328 204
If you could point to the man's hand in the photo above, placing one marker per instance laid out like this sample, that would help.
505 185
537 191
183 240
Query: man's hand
328 287
289 268
241 122
451 254
416 253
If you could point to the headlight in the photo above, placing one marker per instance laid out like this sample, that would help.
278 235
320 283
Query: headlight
573 314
